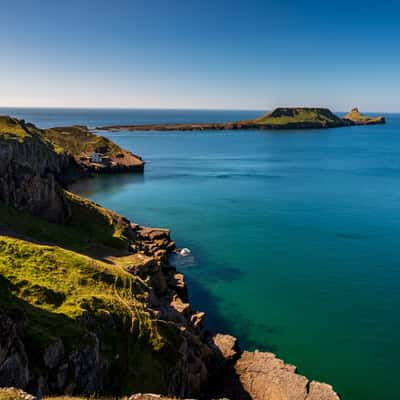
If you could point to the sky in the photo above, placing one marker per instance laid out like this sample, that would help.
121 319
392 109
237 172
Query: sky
220 54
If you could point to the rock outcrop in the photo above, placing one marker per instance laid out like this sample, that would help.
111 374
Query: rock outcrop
356 118
261 376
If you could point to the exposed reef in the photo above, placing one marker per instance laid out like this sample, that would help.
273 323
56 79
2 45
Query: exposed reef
280 118
89 303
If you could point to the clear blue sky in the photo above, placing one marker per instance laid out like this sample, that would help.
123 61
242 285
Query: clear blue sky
200 53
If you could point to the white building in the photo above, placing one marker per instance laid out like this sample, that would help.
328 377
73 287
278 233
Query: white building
96 157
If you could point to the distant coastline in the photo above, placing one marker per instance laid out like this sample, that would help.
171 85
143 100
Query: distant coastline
279 119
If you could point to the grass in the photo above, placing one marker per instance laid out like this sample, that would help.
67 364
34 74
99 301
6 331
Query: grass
52 274
90 229
284 116
52 288
79 141
11 128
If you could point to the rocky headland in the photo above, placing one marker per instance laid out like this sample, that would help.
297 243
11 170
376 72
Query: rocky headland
279 119
90 305
92 152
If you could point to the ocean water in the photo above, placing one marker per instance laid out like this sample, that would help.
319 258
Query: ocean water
294 234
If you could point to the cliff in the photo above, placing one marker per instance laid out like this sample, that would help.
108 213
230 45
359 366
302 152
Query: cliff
279 119
89 303
31 171
36 164
360 119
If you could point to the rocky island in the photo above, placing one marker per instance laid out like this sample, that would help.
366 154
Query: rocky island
89 304
280 118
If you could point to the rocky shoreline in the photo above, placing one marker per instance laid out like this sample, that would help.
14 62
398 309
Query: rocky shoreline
119 316
233 373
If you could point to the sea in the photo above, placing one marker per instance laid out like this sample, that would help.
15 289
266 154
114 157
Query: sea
294 235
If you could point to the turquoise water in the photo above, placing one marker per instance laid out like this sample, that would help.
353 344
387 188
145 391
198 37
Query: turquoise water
294 236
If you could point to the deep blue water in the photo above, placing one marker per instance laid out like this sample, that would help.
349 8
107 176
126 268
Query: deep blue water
294 235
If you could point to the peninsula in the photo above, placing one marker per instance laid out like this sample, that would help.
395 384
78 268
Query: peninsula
89 303
280 118
92 152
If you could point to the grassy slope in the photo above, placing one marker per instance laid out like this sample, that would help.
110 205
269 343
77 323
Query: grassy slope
90 229
283 116
54 284
78 141
10 128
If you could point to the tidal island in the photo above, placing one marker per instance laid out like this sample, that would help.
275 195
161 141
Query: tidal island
89 303
281 118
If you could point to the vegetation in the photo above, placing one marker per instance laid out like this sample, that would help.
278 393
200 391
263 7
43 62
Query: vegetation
53 288
79 141
90 228
11 128
284 116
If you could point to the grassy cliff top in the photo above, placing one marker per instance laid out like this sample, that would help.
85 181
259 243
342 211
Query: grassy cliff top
12 128
290 115
79 141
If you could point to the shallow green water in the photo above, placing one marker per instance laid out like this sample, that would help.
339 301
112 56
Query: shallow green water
294 236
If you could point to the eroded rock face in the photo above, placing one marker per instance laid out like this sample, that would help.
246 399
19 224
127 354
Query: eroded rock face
31 173
14 368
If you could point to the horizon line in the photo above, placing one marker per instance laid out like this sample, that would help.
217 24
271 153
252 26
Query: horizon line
179 108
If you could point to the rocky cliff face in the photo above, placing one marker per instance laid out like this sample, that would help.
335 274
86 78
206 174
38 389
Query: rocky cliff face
31 172
150 342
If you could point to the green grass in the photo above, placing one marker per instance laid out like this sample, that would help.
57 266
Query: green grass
11 128
53 287
78 141
52 274
284 116
90 229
